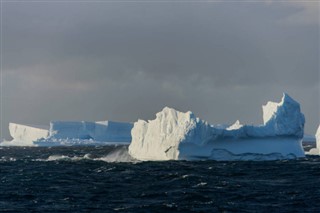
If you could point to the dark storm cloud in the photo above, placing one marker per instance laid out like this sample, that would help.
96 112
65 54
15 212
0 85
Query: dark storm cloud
125 61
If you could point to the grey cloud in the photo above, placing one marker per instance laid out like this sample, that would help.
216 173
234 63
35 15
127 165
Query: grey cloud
125 61
166 43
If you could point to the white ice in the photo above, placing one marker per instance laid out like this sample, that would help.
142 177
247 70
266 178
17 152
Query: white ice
175 135
69 133
316 151
24 135
97 131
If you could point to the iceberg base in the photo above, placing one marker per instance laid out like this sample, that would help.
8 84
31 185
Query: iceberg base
273 148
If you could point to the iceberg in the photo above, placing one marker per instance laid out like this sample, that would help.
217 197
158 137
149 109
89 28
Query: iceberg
24 135
175 135
69 133
97 131
316 151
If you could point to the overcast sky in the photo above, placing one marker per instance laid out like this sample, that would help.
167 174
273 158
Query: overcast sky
127 60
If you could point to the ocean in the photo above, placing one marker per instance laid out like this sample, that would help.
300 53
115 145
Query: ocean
106 179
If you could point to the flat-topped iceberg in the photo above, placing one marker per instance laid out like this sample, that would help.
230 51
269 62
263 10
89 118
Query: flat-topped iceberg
175 135
69 133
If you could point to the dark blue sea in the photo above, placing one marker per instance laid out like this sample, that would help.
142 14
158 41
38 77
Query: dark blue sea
106 179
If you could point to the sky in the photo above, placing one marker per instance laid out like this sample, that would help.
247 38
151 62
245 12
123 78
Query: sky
126 60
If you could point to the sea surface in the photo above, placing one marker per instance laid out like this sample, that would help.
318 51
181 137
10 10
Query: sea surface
106 179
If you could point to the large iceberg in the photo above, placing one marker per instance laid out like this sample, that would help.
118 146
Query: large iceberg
316 151
69 133
175 135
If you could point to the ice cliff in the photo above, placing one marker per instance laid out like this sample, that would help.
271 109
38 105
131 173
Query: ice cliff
69 133
175 135
318 137
25 134
316 151
98 131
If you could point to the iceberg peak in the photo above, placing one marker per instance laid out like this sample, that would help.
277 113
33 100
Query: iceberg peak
236 125
171 112
284 118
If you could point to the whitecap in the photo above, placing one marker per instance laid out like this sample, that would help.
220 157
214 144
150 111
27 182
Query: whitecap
7 159
119 155
200 184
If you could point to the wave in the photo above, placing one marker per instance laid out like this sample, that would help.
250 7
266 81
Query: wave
54 142
7 159
120 154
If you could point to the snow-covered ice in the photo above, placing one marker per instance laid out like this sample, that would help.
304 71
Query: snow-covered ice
175 135
61 133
